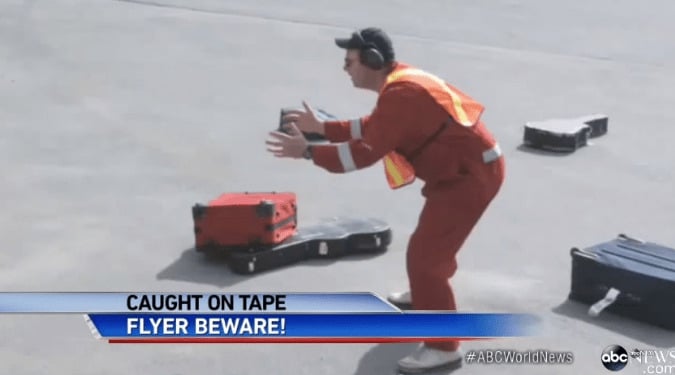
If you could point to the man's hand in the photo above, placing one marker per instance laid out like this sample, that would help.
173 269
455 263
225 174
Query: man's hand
292 145
306 121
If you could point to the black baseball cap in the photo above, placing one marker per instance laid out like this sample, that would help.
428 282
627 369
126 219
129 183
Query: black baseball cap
369 37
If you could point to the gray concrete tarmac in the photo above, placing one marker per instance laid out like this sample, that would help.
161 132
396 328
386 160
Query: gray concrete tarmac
117 116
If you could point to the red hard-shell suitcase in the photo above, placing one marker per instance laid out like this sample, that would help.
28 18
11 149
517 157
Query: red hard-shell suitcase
245 219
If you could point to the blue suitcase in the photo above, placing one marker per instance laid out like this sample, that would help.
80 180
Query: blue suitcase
626 276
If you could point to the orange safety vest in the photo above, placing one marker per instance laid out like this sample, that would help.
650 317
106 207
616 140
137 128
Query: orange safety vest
462 108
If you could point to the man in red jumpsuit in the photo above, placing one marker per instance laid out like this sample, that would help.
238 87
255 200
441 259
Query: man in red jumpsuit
438 131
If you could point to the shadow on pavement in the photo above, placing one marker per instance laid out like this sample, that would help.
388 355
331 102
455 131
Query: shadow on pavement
381 360
195 267
651 335
530 150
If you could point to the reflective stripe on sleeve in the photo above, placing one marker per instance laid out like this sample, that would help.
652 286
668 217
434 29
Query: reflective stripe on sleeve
355 128
345 156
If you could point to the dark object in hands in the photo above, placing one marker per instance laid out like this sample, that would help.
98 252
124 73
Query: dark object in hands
321 114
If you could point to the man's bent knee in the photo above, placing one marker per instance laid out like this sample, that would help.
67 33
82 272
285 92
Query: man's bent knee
434 268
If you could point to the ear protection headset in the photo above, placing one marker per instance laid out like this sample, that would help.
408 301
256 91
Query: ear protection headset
369 55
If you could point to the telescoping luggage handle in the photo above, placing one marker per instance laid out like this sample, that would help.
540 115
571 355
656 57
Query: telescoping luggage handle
609 298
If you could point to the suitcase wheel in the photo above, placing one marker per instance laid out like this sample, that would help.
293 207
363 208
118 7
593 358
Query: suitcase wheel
625 237
577 251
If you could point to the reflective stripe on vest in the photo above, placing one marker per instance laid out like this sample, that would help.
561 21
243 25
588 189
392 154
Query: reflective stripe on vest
398 171
463 108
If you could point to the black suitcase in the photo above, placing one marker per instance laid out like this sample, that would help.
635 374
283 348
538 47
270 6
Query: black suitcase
330 238
556 135
320 113
598 123
628 277
564 135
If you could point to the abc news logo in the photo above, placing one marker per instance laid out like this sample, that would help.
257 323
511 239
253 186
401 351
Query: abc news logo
615 357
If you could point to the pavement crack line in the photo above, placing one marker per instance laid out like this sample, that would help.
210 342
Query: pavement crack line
230 12
234 13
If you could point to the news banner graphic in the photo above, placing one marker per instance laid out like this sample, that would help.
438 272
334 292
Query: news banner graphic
263 318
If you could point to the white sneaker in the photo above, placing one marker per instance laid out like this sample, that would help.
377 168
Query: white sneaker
425 359
400 298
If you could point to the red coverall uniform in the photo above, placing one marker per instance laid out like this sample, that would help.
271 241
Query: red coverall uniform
460 179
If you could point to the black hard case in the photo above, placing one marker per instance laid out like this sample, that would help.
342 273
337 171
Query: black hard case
330 238
564 135
643 272
556 135
599 124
